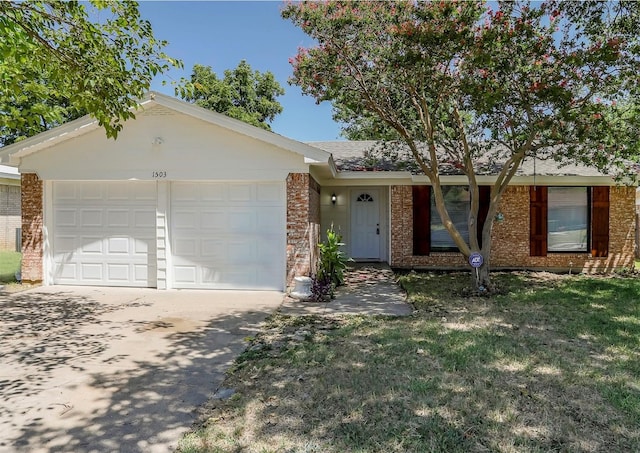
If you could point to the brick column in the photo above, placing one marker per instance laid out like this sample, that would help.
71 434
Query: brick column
303 224
32 218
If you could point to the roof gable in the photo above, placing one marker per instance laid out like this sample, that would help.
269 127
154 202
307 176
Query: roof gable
12 154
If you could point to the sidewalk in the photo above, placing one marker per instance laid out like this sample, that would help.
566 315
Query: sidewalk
369 289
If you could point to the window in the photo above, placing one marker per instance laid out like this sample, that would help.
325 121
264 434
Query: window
458 204
567 219
364 197
428 232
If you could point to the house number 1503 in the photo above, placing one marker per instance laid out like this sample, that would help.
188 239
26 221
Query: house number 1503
159 174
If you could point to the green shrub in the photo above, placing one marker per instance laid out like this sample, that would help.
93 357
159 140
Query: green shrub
332 263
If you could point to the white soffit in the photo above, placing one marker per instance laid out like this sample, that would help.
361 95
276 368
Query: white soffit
406 178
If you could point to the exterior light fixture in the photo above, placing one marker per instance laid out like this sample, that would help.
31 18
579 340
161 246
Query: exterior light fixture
334 198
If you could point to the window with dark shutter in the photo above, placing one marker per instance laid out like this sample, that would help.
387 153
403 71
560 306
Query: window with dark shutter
457 201
429 233
538 221
568 219
421 220
600 221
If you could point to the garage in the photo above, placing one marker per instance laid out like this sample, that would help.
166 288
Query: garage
184 198
104 233
228 235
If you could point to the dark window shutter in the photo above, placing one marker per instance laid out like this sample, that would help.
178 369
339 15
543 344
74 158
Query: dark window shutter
421 220
538 221
483 210
600 221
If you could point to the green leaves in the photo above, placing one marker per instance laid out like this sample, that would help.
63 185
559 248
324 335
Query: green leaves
101 68
332 261
243 94
413 70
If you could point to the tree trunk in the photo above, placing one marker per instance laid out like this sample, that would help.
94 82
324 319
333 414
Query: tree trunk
480 277
481 280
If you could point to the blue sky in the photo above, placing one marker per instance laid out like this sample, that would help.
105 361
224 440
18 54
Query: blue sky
221 33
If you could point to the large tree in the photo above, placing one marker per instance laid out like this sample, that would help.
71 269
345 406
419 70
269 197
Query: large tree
466 87
243 93
34 108
61 59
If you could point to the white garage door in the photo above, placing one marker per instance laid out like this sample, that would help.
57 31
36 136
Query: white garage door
228 235
104 233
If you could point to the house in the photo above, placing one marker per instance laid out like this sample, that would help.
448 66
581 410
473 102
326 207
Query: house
189 198
10 222
572 217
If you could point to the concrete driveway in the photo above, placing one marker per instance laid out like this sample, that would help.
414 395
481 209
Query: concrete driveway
87 369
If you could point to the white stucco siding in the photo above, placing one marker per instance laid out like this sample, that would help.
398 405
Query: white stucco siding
162 144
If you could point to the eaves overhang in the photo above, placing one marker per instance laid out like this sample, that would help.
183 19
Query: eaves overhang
347 178
11 154
9 172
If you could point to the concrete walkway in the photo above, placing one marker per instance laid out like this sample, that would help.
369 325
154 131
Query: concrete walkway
87 369
370 289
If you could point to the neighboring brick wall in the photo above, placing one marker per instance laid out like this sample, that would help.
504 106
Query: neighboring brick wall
10 220
510 239
32 217
303 224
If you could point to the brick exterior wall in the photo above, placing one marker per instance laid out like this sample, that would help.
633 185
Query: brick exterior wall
32 218
510 239
10 220
303 225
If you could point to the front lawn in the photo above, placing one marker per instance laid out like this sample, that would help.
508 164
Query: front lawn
9 265
551 364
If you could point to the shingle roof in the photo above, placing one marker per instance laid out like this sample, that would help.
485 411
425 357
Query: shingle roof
361 156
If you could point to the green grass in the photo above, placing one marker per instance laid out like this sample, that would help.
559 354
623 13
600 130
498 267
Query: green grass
551 363
9 265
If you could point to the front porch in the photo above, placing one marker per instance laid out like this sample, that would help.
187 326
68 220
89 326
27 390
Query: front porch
361 215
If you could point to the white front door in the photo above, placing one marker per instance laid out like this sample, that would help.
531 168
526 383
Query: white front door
365 224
